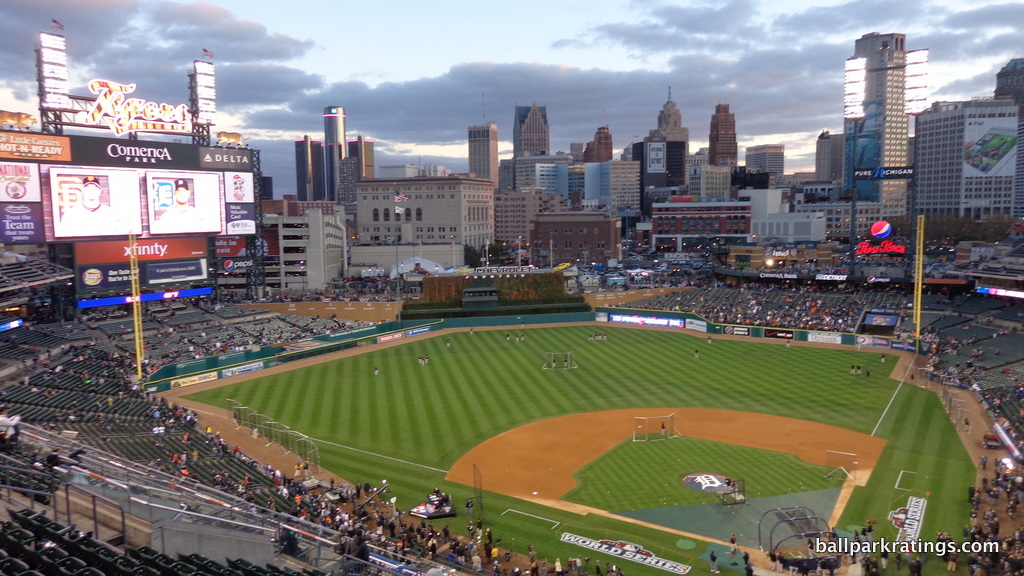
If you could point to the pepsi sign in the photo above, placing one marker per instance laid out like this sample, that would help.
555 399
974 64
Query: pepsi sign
232 265
881 229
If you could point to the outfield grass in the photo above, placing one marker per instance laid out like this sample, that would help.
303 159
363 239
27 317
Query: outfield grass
423 418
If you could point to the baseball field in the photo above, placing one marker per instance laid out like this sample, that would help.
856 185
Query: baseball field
553 449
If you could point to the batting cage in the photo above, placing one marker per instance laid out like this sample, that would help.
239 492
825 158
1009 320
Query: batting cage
789 529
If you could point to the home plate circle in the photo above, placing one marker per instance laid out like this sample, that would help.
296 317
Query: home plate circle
706 482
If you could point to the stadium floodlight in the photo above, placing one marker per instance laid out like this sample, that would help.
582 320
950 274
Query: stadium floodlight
916 82
854 82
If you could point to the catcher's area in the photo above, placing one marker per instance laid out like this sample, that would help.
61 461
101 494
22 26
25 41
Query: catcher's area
554 449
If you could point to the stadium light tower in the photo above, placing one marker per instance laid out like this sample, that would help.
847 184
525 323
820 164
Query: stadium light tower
854 82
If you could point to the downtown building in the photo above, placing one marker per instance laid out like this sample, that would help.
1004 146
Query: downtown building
483 151
434 219
966 158
880 138
722 147
1010 84
531 135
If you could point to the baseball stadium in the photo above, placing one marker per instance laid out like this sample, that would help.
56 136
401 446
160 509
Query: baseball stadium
166 411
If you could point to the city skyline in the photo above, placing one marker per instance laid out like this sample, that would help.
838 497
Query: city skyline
414 79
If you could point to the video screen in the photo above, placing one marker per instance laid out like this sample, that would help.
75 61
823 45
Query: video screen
184 202
88 202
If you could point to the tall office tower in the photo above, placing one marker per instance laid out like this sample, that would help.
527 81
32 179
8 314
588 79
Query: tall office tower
309 169
600 148
362 150
483 151
357 166
768 157
531 134
966 158
722 148
333 149
880 138
576 150
828 157
670 124
1010 84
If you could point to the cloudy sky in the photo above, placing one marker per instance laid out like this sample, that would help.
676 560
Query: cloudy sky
413 75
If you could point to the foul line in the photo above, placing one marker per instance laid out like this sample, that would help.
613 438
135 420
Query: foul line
378 455
887 406
555 522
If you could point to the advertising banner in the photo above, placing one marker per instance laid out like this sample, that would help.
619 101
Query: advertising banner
238 187
655 157
179 271
773 333
145 250
21 223
230 246
133 153
990 148
241 218
38 147
908 346
103 276
698 325
19 182
225 158
873 341
648 320
737 330
825 337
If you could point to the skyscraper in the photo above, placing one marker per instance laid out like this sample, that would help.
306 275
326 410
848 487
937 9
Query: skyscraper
966 158
531 134
880 138
333 149
600 148
722 148
828 157
483 151
309 169
768 157
356 167
1010 84
662 154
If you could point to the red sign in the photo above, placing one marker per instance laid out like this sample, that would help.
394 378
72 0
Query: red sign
886 247
149 249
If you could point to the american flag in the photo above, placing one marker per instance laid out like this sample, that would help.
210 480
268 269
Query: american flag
207 53
399 197
55 24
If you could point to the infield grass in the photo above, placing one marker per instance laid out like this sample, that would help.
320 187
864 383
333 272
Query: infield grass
411 422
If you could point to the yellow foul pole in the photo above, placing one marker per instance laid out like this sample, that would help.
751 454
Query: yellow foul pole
140 349
919 281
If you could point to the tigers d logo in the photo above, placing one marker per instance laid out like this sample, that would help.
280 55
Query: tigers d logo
706 482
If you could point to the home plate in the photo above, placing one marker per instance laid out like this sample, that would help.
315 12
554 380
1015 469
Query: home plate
535 493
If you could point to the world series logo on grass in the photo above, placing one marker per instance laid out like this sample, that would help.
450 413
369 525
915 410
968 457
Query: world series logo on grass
626 551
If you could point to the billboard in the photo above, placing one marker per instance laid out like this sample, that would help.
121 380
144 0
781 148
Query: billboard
655 156
868 148
990 147
103 266
77 188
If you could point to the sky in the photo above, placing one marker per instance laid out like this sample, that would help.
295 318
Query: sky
413 75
